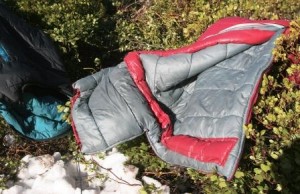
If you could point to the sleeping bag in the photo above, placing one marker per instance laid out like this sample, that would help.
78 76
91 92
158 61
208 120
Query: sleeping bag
191 102
33 81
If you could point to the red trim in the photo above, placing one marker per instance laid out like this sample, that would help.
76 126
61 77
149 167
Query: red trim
231 21
73 100
214 150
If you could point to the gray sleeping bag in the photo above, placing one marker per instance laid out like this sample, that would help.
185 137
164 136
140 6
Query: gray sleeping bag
191 102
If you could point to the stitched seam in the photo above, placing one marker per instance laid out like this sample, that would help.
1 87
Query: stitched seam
154 84
199 89
190 66
210 117
222 67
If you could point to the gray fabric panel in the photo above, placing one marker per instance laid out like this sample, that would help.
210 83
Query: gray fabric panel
102 117
150 69
110 113
90 136
163 77
133 98
166 76
172 70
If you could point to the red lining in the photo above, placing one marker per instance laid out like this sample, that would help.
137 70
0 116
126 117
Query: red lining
73 100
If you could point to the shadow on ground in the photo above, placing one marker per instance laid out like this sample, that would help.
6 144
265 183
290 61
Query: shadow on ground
288 168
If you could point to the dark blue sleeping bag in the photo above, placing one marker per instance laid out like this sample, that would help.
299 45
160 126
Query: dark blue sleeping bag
33 80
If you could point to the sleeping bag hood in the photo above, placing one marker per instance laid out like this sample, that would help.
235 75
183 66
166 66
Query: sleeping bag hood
191 102
33 81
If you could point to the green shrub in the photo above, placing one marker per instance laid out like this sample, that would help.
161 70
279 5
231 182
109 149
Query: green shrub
163 24
94 34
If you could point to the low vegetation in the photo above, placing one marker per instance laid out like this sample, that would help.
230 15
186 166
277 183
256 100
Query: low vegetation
91 35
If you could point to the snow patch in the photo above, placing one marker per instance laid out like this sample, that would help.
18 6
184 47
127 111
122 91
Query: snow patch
50 175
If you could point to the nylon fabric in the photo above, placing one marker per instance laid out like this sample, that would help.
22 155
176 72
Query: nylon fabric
191 102
36 117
